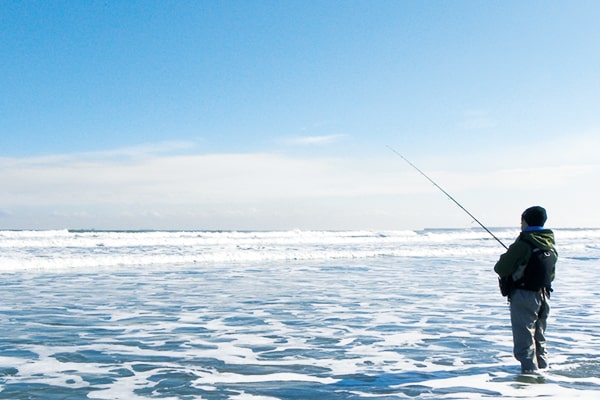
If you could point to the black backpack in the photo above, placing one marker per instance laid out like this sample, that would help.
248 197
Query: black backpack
537 275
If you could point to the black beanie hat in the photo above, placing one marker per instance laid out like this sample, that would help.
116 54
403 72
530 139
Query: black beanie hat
535 216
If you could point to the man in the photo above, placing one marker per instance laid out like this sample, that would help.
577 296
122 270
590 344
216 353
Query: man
530 264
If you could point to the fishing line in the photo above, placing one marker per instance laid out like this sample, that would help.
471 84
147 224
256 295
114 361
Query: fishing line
447 194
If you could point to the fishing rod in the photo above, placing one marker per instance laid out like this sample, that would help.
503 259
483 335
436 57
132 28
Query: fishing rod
447 194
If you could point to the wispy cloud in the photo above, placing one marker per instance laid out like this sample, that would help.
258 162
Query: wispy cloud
161 186
148 149
145 150
185 190
177 179
315 140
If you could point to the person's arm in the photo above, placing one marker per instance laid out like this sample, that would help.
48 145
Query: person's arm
516 255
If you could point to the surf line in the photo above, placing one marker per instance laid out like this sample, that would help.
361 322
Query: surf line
447 194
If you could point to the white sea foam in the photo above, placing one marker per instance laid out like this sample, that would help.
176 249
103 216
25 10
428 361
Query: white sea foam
278 315
89 250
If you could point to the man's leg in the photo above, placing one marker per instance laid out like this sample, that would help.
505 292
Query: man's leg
540 330
523 316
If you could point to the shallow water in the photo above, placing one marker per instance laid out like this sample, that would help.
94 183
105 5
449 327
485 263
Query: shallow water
388 327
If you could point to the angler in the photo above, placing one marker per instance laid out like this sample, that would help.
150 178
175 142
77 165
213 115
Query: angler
527 270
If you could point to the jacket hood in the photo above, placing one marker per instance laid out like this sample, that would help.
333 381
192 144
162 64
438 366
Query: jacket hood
543 239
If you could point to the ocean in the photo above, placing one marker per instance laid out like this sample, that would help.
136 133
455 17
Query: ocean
284 315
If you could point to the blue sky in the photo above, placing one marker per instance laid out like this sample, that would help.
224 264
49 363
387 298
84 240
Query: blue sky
278 114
